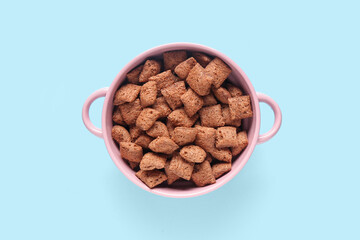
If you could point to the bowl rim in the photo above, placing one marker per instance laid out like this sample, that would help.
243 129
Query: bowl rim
169 192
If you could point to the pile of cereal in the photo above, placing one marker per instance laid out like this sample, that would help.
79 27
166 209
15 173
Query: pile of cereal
178 118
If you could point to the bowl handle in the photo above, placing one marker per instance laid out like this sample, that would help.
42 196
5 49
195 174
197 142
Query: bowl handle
85 111
277 112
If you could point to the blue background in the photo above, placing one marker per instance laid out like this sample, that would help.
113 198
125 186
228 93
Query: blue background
57 180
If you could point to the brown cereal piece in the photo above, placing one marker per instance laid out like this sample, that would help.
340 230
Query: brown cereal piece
163 145
208 158
147 118
144 140
184 135
233 90
126 93
151 178
181 167
193 154
130 111
170 128
227 117
151 161
159 129
162 107
192 102
183 69
151 68
199 81
179 118
173 93
240 107
171 177
242 143
120 134
202 58
148 93
133 165
131 151
218 70
223 154
202 174
205 138
163 79
220 169
135 132
212 116
221 94
117 116
133 75
226 137
209 100
173 58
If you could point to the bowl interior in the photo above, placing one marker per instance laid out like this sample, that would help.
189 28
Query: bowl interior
183 189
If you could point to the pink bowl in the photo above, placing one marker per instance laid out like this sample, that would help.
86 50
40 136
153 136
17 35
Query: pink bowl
252 125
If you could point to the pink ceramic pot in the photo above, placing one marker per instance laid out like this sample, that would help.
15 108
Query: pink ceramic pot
252 125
